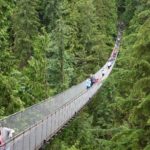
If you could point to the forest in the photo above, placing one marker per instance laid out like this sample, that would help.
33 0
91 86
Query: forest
46 46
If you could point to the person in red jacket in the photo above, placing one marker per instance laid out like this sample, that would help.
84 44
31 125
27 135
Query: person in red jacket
2 143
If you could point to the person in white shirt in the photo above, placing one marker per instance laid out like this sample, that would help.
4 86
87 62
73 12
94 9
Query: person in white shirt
118 39
6 134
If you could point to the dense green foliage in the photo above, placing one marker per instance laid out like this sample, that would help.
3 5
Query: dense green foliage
119 116
47 46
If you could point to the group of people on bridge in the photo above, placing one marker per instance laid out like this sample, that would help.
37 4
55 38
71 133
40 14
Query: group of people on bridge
92 79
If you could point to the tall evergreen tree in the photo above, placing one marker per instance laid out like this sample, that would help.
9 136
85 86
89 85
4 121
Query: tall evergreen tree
25 27
61 58
49 13
6 58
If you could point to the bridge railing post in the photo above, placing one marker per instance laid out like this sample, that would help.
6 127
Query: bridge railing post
57 119
32 138
49 126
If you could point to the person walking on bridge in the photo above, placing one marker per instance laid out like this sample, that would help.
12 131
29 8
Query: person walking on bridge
2 143
109 63
103 72
93 79
5 134
88 83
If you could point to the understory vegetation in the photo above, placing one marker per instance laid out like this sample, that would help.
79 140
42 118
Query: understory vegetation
46 46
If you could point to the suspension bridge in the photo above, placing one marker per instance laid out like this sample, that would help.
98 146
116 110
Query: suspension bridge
40 122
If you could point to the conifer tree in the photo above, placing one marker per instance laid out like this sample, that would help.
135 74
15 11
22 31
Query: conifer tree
49 13
6 58
61 59
25 27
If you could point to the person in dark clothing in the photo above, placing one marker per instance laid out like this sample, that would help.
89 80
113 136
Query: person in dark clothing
93 79
103 72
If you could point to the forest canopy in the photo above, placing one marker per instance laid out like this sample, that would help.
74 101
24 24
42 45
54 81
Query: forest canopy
46 46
